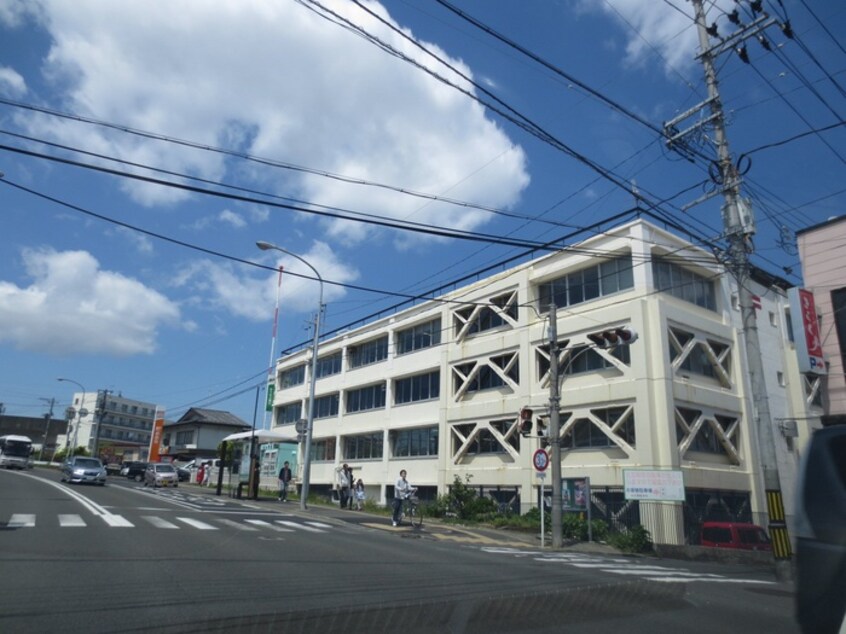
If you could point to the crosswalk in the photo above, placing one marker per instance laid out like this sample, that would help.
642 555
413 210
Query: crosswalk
70 520
624 566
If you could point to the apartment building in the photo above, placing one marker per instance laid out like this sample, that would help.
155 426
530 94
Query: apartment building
437 389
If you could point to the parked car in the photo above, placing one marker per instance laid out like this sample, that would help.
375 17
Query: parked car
134 470
820 532
82 469
161 474
183 474
735 535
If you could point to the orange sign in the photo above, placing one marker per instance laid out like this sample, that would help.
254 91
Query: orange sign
156 438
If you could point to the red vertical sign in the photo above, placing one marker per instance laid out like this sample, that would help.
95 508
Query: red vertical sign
156 438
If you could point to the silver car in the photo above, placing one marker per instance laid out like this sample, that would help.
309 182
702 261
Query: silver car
161 474
83 469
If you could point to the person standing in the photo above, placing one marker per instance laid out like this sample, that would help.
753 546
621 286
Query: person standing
207 474
344 484
359 494
402 489
284 479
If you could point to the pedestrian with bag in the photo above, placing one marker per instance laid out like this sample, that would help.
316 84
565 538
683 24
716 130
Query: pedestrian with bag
284 479
345 485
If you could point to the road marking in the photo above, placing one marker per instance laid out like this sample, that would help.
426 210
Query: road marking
197 524
159 522
617 566
238 525
117 521
272 527
21 520
71 521
300 526
319 524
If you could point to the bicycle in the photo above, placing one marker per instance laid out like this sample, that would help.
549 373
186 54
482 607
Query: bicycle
411 508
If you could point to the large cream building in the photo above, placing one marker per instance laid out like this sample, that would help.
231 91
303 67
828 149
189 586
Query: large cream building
437 389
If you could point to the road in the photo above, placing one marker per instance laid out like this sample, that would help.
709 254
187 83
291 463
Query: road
98 559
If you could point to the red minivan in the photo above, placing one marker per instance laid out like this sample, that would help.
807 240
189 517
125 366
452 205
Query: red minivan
735 535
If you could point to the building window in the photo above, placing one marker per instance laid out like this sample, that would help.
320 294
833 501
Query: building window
363 447
581 359
499 311
600 429
323 450
292 376
421 387
586 284
368 352
780 379
326 406
329 365
366 398
185 437
703 357
408 443
683 283
289 412
423 335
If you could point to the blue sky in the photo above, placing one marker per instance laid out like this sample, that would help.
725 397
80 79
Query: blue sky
161 294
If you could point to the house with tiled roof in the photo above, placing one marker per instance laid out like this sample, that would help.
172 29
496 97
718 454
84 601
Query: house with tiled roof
197 433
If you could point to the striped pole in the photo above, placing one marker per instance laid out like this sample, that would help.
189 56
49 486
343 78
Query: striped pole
271 379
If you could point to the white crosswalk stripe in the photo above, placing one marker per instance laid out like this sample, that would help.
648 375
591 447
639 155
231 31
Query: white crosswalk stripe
21 520
273 527
159 522
71 520
197 524
618 566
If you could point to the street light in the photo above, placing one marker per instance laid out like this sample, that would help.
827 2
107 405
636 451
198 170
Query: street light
266 246
81 412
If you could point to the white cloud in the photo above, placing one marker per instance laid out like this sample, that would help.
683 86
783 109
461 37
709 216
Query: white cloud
253 296
142 242
277 81
11 82
74 307
651 26
231 218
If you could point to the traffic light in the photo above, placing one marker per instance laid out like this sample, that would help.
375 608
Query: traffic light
616 336
526 422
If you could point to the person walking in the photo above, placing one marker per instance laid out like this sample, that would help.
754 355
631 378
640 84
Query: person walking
207 474
284 479
344 485
402 490
359 494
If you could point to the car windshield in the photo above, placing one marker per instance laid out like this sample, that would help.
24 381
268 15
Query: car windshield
87 463
165 468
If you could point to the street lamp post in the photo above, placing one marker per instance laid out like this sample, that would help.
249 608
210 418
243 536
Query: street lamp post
80 413
265 246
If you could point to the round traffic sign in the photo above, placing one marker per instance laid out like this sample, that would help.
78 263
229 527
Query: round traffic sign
540 459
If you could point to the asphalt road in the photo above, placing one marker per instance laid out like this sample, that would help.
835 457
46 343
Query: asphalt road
121 558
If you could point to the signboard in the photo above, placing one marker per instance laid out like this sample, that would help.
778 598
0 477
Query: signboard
664 485
806 331
575 493
301 426
156 436
271 393
540 459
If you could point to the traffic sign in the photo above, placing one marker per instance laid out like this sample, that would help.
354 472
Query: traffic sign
540 459
301 425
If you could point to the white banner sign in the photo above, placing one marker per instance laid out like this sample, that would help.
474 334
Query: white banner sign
640 484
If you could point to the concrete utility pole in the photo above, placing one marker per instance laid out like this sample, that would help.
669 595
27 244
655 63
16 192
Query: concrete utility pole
555 428
739 226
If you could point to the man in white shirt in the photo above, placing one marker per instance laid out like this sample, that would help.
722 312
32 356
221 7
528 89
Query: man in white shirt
402 489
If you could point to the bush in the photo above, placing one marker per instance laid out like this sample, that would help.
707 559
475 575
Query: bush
575 526
464 503
634 540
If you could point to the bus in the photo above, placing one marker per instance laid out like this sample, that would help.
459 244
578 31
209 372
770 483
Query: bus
15 452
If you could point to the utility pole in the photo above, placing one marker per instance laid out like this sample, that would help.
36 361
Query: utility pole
49 417
739 227
555 428
100 412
